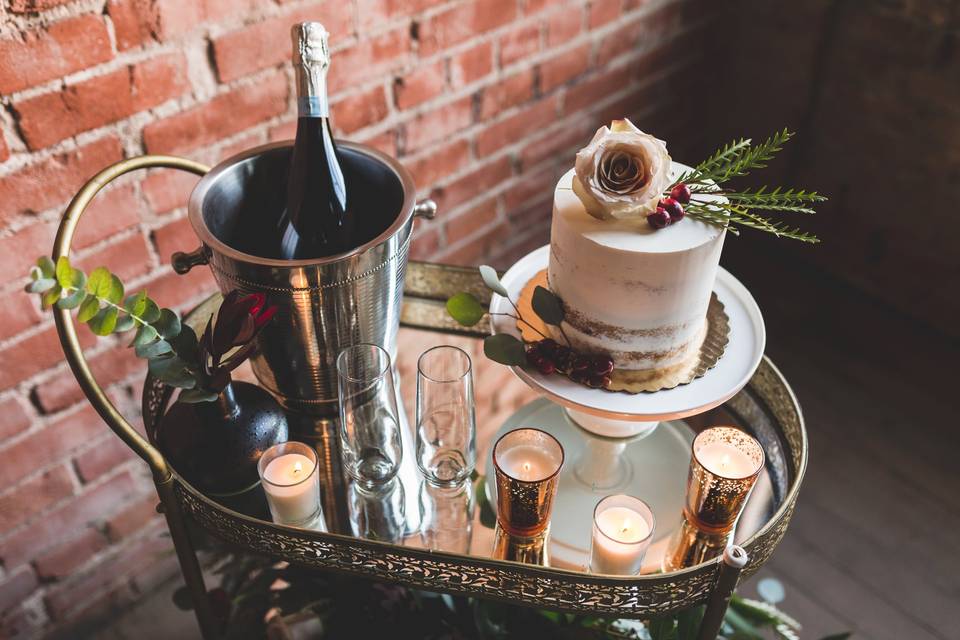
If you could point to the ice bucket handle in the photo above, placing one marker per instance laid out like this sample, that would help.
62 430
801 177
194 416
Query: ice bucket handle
65 325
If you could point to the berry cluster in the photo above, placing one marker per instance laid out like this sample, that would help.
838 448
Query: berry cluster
670 210
548 357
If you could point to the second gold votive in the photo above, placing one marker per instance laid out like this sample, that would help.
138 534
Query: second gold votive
527 464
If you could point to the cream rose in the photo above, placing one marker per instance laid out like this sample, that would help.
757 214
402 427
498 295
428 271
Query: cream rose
622 172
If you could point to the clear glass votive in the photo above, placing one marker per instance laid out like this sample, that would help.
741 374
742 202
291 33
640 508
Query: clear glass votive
288 474
725 464
378 513
446 422
527 464
622 531
369 422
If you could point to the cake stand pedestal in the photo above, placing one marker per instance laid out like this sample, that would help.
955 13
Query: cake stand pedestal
611 439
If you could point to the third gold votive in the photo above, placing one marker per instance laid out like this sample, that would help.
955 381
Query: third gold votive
724 467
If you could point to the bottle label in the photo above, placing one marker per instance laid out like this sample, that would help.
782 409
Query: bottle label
313 107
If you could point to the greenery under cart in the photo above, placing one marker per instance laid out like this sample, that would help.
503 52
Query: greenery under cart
261 598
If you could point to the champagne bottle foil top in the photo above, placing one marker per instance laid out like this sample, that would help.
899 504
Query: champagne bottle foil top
310 43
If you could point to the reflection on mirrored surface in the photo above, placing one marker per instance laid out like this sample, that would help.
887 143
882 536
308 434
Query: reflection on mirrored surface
377 513
446 517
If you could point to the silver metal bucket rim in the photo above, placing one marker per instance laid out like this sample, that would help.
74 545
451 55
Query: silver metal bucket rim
195 207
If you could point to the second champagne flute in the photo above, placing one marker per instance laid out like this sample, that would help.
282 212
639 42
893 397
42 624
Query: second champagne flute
369 422
446 421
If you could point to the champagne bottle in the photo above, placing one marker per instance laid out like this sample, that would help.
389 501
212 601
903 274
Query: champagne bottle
317 221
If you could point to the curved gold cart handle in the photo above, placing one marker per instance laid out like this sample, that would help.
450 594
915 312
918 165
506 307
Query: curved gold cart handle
65 325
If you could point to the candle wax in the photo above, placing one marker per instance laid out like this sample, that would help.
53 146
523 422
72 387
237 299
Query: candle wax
726 460
527 462
623 524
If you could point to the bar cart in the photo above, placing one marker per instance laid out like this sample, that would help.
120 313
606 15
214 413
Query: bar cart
766 407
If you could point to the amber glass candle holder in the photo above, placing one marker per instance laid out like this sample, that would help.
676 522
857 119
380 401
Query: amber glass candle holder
725 465
723 469
527 464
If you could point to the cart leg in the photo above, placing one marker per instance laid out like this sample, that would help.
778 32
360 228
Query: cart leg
189 565
734 560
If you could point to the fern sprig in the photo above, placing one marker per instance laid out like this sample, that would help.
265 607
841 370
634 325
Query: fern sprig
726 215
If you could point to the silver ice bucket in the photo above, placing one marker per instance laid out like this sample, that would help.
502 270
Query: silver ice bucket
323 304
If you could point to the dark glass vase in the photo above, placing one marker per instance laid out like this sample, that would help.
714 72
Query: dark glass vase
215 445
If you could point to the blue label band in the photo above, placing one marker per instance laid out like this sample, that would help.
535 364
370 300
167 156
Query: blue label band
312 107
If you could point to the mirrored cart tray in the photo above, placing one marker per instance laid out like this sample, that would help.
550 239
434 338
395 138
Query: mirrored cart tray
740 358
765 406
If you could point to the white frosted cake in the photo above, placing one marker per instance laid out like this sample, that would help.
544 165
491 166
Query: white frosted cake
636 293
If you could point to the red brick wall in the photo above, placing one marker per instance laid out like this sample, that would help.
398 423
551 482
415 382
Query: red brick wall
484 100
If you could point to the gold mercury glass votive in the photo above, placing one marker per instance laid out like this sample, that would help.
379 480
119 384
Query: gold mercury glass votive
527 464
723 469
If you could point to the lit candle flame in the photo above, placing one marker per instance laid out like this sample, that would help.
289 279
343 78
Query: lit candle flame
725 461
626 526
526 466
297 467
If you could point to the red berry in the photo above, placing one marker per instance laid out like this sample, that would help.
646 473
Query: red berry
580 363
580 377
659 218
601 365
545 366
673 208
681 193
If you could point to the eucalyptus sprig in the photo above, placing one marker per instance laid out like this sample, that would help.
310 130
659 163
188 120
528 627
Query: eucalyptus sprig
737 208
167 344
200 368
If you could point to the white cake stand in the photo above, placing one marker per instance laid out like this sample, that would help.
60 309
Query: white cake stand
623 415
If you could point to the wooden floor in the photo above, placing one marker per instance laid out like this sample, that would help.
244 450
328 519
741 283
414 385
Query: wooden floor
874 546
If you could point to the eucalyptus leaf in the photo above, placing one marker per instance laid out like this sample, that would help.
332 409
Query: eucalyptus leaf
124 323
547 306
104 322
145 334
98 283
40 285
51 296
46 266
151 312
465 309
771 590
488 518
152 349
115 293
168 324
88 308
185 343
192 396
64 271
136 303
73 300
492 280
505 349
179 378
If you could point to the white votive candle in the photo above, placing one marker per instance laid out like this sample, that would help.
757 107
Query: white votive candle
726 460
527 462
622 531
291 483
